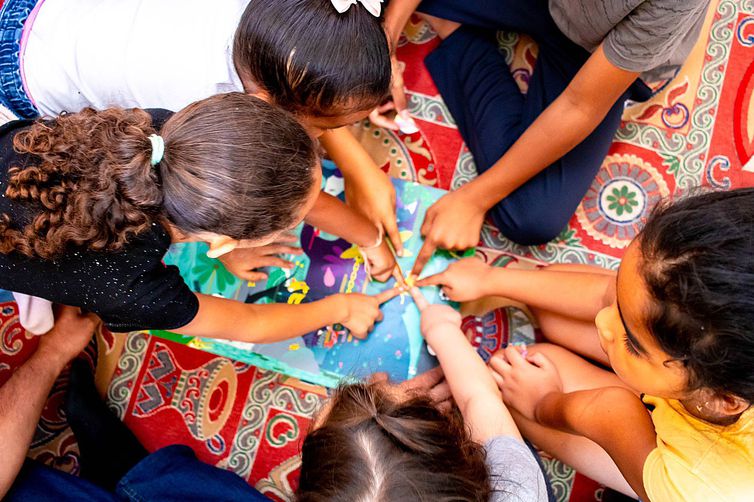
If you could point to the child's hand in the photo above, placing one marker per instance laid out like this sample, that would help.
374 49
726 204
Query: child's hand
245 262
438 320
524 382
381 261
362 311
372 194
454 222
462 281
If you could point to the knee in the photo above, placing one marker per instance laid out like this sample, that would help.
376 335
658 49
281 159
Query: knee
528 228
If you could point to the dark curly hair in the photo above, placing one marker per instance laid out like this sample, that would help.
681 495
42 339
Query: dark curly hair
233 165
698 264
312 60
373 446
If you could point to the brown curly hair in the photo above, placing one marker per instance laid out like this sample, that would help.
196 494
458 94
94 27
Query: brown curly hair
233 165
374 446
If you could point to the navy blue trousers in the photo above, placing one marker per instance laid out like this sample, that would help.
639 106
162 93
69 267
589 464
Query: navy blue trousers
172 473
484 99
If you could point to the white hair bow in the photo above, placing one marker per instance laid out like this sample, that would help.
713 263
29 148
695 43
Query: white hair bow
373 6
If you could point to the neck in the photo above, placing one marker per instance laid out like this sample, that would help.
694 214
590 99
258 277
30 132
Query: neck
175 233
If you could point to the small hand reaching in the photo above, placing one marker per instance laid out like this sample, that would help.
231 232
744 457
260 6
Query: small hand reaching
362 311
245 263
524 380
462 281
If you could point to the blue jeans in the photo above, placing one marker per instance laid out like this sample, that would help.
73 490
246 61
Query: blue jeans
172 473
13 15
484 99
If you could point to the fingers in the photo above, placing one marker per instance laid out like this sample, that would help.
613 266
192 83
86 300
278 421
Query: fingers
419 299
377 118
399 279
513 355
497 378
253 276
440 392
500 365
286 237
425 253
278 249
425 381
379 377
386 295
540 360
433 280
392 232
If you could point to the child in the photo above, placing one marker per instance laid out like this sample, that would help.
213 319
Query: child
327 68
378 442
538 153
92 201
675 326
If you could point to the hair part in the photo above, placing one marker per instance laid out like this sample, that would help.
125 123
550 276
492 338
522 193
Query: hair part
233 165
698 267
312 60
373 447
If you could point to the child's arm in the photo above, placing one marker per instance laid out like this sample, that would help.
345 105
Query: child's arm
579 295
612 417
471 384
368 189
243 322
332 216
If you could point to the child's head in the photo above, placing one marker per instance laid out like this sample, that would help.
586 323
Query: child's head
373 443
683 323
234 168
329 69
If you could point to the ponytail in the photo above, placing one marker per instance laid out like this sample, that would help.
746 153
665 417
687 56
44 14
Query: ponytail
372 445
232 165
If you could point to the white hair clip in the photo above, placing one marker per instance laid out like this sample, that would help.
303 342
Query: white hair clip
373 6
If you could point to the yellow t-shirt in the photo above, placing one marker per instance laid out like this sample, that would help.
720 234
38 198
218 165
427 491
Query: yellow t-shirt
698 461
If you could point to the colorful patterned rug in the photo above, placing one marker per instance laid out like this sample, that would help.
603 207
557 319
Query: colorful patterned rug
698 130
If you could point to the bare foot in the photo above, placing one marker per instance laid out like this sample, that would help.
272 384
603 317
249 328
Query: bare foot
442 27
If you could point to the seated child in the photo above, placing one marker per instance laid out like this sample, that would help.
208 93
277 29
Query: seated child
675 327
92 201
375 442
327 68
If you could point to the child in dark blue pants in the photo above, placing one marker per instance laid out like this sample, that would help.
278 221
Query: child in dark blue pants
537 153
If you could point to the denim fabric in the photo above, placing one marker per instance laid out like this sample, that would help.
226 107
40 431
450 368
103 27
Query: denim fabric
171 473
13 15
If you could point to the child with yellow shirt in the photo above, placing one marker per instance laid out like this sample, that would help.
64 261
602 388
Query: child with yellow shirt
675 326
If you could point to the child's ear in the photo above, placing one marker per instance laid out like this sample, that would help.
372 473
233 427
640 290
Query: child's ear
724 405
731 405
220 245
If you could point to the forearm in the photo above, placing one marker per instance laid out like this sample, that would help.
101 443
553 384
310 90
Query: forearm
397 14
472 386
347 153
559 128
232 320
334 217
22 399
601 415
578 295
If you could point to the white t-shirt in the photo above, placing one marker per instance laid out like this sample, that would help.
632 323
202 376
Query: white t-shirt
135 53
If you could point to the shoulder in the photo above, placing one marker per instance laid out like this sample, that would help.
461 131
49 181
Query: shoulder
515 474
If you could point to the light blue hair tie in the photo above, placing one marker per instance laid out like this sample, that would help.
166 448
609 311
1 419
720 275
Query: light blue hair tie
158 148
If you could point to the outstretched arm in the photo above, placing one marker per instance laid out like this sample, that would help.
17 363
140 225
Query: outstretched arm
24 395
243 322
578 295
471 384
455 221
